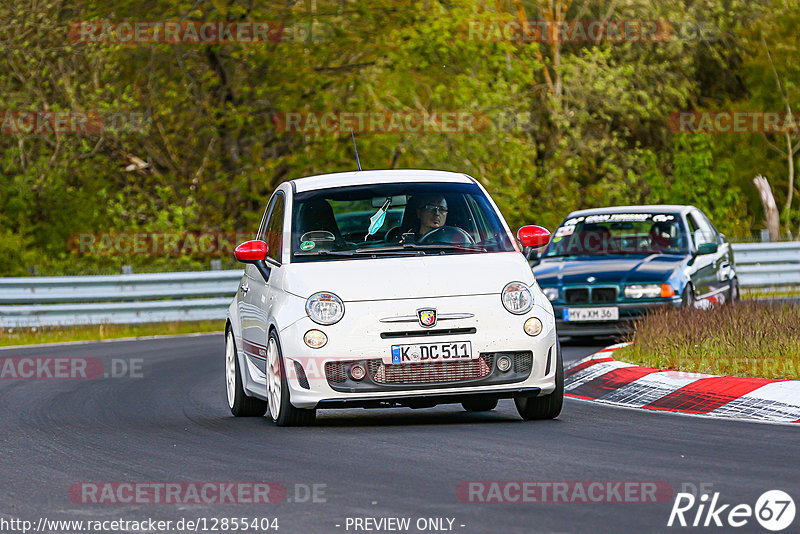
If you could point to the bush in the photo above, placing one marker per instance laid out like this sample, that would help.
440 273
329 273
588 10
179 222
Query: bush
758 339
16 253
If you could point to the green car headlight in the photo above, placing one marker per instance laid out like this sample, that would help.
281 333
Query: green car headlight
649 291
551 293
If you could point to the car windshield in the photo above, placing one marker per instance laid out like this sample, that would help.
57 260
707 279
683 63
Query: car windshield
619 233
395 219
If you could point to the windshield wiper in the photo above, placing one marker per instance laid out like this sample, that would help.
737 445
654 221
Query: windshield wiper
325 252
423 247
353 253
463 248
407 249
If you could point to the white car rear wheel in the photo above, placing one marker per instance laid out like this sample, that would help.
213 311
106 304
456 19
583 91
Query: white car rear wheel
230 369
274 385
240 404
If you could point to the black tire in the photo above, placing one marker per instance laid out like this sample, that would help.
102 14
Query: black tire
688 300
479 404
288 415
549 406
243 405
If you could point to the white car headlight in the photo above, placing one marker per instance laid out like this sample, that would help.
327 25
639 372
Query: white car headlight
551 293
517 298
325 308
648 291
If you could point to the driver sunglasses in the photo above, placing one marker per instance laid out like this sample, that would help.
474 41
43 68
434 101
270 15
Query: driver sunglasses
440 209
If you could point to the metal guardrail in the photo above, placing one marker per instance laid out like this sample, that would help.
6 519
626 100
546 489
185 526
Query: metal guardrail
767 264
116 299
194 296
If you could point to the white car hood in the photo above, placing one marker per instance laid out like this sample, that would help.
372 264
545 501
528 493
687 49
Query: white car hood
415 277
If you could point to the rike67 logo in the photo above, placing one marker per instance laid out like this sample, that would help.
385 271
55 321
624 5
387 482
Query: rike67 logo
774 510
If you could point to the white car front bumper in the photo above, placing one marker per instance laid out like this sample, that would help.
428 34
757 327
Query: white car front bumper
361 336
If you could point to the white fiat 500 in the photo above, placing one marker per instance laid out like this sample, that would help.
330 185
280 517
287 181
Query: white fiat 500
389 288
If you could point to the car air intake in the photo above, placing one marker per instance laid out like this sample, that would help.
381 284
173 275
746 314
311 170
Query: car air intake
420 373
576 295
523 362
428 372
301 375
603 295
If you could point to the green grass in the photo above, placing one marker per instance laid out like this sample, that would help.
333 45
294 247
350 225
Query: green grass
32 336
771 293
756 339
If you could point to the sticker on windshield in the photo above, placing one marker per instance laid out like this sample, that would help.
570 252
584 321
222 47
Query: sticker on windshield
618 217
307 245
565 231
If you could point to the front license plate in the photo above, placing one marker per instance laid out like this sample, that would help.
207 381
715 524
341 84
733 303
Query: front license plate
431 352
591 314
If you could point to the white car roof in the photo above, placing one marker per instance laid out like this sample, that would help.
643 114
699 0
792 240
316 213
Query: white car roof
325 181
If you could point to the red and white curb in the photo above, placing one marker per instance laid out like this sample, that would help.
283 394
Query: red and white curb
601 378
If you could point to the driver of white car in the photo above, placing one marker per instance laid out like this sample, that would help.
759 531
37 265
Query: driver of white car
423 215
432 214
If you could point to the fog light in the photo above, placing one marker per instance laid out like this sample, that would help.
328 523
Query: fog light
533 326
504 363
357 372
315 339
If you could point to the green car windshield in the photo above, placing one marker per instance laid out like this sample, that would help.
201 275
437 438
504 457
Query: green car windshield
619 233
395 219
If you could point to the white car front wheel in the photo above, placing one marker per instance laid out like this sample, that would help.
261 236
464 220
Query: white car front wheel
280 407
549 406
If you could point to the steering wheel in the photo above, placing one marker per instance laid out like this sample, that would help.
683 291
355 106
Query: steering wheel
447 234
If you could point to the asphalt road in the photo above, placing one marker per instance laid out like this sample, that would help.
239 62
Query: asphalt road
169 422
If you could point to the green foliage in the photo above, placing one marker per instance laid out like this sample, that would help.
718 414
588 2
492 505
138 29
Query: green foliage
572 125
700 180
15 253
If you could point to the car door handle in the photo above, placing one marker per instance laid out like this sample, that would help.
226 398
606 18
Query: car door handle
245 288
